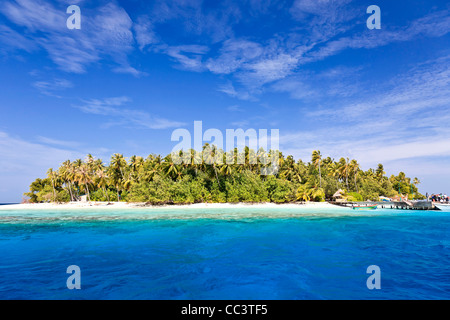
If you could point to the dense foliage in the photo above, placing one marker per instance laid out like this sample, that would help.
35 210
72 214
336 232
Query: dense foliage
160 180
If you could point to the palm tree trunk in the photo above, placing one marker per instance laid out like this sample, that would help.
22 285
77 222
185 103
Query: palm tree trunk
106 194
215 171
87 191
70 191
54 192
320 176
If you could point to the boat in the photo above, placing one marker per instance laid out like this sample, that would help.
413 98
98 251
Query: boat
369 207
442 206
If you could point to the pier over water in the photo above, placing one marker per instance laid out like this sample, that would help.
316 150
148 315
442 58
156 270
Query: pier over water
401 205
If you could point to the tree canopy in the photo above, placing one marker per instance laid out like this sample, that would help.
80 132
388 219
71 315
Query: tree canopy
161 180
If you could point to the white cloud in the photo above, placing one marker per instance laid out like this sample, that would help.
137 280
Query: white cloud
56 142
118 115
256 64
404 120
189 57
435 24
51 87
230 90
234 54
193 19
12 40
144 33
105 32
269 69
36 15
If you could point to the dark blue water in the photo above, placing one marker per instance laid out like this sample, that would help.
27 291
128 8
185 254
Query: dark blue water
305 257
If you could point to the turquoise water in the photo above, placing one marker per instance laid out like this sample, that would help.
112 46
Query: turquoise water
248 253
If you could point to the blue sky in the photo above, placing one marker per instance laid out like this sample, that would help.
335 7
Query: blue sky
137 70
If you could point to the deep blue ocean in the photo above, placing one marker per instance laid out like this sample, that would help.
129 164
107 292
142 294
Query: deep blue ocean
225 254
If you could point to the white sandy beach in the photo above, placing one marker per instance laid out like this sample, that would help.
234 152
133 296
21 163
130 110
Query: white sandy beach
126 205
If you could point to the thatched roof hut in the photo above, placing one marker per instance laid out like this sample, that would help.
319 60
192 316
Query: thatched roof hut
338 194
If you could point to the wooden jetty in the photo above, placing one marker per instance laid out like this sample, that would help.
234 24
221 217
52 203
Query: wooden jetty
402 205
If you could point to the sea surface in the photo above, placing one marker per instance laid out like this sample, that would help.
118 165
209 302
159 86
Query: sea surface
232 253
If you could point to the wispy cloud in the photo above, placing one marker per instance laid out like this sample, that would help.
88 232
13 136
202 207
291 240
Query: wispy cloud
256 64
339 81
230 90
105 32
434 24
234 54
193 19
425 88
118 115
403 119
144 33
13 40
234 108
57 142
51 87
34 15
189 57
324 18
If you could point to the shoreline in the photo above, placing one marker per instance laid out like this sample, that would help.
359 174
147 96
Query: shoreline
136 205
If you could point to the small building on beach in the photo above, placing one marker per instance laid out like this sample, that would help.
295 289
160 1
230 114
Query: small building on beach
338 196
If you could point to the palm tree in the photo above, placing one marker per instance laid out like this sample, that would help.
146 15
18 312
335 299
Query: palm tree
253 160
52 175
102 181
90 161
212 154
290 170
226 168
151 167
116 181
344 168
85 178
333 171
116 172
65 172
354 166
303 193
316 159
169 167
118 163
416 182
136 164
380 171
307 191
195 160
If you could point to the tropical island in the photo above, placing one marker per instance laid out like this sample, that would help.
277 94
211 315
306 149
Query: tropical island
160 180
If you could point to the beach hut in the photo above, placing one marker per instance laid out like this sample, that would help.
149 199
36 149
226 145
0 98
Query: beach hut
338 196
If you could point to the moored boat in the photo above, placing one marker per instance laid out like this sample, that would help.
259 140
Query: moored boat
370 207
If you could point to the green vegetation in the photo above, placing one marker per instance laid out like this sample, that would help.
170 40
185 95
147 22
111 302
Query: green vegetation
158 180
